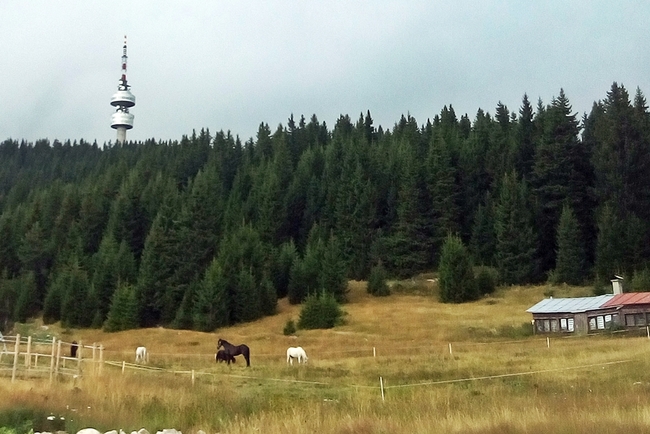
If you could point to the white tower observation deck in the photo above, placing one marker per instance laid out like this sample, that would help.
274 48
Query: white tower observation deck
123 99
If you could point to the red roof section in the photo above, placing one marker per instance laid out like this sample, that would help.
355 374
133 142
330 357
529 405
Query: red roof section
628 298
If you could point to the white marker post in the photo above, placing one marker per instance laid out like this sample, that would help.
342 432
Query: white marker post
381 386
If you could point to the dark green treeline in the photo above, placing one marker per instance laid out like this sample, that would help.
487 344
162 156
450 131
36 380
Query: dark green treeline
209 231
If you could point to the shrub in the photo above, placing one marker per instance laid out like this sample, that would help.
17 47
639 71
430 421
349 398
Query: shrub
320 312
486 279
289 328
600 288
377 281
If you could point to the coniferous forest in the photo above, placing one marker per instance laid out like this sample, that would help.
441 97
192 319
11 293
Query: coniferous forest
209 231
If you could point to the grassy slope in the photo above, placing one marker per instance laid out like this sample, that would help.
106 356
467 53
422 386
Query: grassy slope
337 391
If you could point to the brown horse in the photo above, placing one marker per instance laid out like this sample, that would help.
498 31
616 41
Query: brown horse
221 356
235 350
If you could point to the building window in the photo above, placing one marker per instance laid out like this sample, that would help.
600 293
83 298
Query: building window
639 319
540 325
547 325
554 326
608 321
592 323
570 324
629 320
600 321
563 324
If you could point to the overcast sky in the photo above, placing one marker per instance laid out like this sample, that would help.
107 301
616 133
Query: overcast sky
232 65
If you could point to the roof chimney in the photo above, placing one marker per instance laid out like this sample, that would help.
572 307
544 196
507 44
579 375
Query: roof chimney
617 285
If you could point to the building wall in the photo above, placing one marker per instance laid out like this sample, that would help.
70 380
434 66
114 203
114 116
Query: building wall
633 316
578 323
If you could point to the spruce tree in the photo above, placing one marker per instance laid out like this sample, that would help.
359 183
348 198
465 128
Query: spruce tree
456 277
75 310
25 306
562 172
570 265
247 297
123 314
332 276
483 240
280 268
211 303
515 239
610 247
320 311
377 284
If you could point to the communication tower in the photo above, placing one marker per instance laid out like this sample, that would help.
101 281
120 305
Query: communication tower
123 99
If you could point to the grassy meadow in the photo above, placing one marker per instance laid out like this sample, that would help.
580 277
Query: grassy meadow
497 378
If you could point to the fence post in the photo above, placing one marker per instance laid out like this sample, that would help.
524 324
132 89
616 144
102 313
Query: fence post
450 352
94 358
374 353
123 366
58 358
28 354
79 357
16 351
192 377
381 386
548 342
101 359
52 359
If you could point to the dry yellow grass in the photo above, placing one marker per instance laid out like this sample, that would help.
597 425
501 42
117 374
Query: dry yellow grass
579 384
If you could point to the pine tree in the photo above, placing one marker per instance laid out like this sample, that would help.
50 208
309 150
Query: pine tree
105 276
483 241
211 303
332 276
298 286
515 240
562 172
456 277
320 311
610 248
570 265
75 310
280 268
27 290
377 284
123 314
247 297
408 246
525 148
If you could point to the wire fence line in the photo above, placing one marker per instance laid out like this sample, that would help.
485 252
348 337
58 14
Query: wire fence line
96 362
381 386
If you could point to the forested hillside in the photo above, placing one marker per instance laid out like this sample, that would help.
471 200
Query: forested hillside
209 231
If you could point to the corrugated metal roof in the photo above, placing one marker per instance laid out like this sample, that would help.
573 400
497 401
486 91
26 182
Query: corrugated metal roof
629 298
570 305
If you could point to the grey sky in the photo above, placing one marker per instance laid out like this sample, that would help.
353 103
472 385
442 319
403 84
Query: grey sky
232 65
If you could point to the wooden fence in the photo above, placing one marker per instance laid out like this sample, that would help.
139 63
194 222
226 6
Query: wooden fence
27 357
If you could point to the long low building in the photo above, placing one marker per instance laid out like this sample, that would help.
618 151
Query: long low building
573 315
583 315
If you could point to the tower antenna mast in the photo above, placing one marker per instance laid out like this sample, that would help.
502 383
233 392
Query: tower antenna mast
123 99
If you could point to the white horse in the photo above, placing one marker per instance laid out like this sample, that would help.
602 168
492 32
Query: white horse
141 355
296 353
